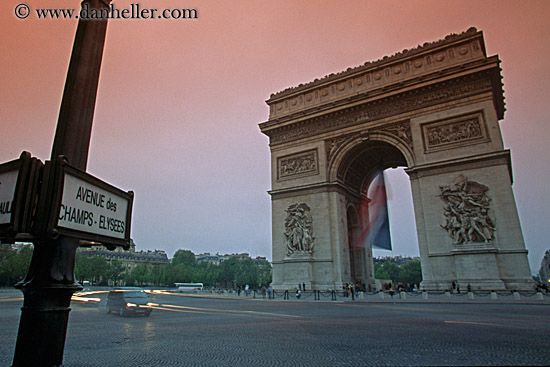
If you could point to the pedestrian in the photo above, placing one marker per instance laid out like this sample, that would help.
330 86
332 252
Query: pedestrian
457 287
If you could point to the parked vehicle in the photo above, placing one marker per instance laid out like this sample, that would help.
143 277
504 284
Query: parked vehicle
189 287
127 301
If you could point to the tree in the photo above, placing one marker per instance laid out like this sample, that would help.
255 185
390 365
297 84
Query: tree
98 269
183 267
115 271
15 264
411 272
184 258
265 273
228 271
141 274
207 273
94 269
247 274
387 270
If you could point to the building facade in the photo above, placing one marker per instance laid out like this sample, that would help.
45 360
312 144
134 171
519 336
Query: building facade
130 258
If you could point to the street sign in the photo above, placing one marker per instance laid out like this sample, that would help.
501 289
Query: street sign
85 207
8 182
19 181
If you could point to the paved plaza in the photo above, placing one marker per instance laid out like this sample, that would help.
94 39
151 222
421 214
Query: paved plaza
188 330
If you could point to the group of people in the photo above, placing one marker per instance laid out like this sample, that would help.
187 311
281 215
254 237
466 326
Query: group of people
400 287
352 290
301 287
455 286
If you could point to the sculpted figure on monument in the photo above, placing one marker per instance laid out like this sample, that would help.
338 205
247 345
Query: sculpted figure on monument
466 212
298 230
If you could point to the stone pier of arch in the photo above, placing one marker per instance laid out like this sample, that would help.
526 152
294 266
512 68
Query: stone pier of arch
434 110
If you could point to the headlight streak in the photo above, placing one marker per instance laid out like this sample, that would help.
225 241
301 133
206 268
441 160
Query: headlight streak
213 310
11 299
85 299
175 308
81 296
78 294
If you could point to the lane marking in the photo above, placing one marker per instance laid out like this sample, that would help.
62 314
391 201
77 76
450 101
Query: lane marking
475 323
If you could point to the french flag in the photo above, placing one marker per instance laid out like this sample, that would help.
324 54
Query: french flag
376 223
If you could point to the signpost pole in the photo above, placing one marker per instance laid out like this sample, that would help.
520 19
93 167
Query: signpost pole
50 282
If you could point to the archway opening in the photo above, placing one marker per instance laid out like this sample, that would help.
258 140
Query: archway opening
358 174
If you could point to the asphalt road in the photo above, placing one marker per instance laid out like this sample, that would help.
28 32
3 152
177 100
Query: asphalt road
207 331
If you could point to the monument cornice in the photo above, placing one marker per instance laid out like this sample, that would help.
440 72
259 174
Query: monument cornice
469 162
444 57
307 190
427 48
376 109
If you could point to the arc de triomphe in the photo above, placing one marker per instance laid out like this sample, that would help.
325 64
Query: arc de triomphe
434 110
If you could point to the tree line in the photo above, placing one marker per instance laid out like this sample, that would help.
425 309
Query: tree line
409 272
233 272
183 268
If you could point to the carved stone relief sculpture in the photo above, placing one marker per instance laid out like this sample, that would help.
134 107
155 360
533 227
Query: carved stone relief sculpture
455 132
402 130
298 230
298 164
466 212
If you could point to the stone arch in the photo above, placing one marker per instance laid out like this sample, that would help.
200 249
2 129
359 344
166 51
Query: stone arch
434 110
349 145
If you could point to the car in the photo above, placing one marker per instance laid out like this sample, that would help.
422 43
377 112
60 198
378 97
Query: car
129 301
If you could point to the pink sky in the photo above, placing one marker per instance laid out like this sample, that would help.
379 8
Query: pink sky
179 102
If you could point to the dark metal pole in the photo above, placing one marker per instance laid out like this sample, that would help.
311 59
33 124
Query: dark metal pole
50 282
74 127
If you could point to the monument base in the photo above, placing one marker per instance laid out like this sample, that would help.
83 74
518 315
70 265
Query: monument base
294 272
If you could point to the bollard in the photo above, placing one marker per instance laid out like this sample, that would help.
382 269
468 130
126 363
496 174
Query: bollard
403 296
448 294
333 295
540 296
516 296
470 295
381 294
494 296
424 295
361 295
